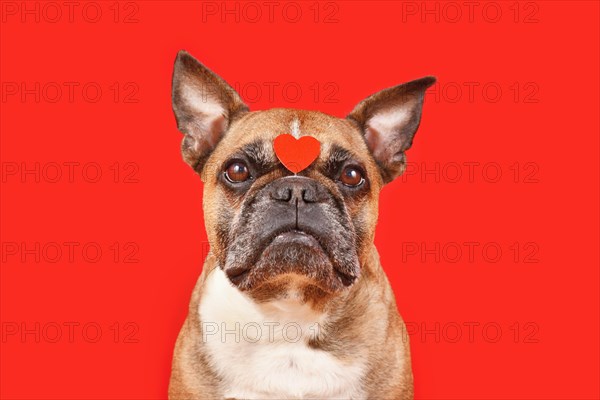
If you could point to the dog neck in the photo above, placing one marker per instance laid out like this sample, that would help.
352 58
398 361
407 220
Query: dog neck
227 309
221 305
289 339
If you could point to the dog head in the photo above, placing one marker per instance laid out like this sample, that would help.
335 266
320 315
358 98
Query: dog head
268 228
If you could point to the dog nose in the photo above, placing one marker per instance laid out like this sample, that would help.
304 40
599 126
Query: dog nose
297 189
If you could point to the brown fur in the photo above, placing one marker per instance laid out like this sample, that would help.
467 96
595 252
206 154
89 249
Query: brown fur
363 322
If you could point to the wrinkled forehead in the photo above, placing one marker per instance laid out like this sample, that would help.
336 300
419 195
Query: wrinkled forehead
258 130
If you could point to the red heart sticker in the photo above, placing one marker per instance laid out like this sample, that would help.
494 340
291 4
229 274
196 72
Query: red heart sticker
296 154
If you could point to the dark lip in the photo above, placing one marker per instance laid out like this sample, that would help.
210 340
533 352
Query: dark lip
237 275
312 241
346 279
297 236
292 231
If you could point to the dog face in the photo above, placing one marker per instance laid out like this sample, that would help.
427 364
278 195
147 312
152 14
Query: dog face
271 226
271 230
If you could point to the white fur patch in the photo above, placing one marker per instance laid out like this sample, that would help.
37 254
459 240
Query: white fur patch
388 121
295 128
201 102
261 352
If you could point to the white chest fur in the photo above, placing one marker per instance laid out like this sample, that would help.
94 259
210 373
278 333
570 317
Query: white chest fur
262 352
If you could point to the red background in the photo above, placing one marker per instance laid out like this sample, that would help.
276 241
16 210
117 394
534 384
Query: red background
545 127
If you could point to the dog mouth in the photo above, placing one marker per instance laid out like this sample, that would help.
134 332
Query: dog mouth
284 237
295 251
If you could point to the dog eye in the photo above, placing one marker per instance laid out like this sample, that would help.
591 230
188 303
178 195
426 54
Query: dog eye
352 176
237 172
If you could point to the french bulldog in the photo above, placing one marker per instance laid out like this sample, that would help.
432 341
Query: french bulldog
292 302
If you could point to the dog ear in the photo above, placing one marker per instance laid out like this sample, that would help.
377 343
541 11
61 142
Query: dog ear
204 107
389 120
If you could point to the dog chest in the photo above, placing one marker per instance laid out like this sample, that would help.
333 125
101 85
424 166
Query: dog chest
265 354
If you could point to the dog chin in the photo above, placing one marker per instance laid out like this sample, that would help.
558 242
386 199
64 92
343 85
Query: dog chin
292 259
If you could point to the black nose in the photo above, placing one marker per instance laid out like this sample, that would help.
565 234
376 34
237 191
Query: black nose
297 189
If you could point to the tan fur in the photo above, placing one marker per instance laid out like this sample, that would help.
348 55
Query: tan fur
267 125
363 323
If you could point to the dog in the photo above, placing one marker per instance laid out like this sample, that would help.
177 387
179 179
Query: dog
292 301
